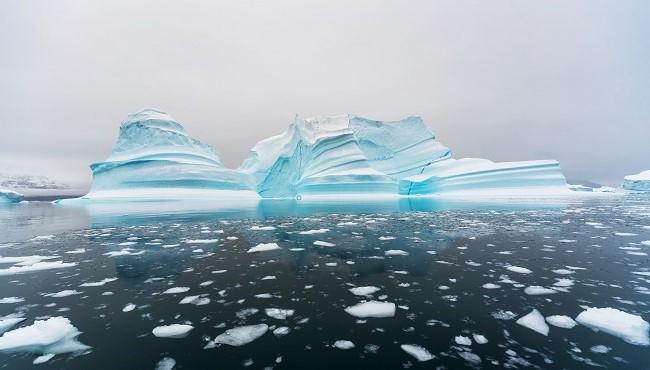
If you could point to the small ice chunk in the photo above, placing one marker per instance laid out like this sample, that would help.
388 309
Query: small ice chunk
172 331
517 269
386 238
538 290
317 231
262 228
534 321
324 244
480 339
98 283
264 247
129 307
201 241
38 266
420 353
63 293
282 330
600 349
343 344
396 252
561 321
372 309
631 328
563 271
364 290
563 283
166 363
491 286
279 313
196 300
240 335
43 358
176 290
9 300
52 336
463 340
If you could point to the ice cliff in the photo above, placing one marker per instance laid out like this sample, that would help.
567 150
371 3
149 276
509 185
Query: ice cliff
154 157
315 157
637 182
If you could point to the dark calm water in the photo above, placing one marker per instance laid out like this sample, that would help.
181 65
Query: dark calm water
431 259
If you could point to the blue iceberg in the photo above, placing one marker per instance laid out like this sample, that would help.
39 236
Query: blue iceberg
155 158
10 196
637 182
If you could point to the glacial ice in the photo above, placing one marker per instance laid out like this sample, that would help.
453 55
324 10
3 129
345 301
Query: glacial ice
631 328
155 158
52 336
346 155
637 182
10 196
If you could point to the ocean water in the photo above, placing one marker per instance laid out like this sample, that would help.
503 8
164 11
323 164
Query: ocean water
458 275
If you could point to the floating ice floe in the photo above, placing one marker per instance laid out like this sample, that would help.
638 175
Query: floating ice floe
46 337
323 244
396 252
9 300
262 228
28 266
534 321
196 300
172 331
364 290
77 251
631 328
264 247
279 313
316 231
343 344
517 269
561 321
282 330
63 293
129 307
239 336
463 340
563 283
98 283
480 339
124 252
8 322
176 290
420 353
372 309
538 290
166 363
491 286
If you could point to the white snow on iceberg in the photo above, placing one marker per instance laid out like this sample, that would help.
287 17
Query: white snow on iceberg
631 328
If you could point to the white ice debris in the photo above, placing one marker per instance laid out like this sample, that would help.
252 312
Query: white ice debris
324 244
343 344
534 321
517 269
201 241
396 252
98 283
166 363
631 328
563 283
279 313
7 322
176 290
463 340
63 293
172 331
263 247
8 300
317 231
37 266
52 336
282 330
239 336
491 286
364 290
372 309
43 358
538 290
420 353
262 228
129 307
480 339
561 321
124 252
196 300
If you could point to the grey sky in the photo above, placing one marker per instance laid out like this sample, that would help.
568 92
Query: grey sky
504 80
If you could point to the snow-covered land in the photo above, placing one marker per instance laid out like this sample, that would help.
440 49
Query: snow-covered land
345 155
10 196
637 182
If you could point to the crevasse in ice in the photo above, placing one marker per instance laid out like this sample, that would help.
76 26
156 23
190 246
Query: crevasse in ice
154 157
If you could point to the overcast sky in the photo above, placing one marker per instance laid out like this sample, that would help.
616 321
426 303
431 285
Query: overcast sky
504 80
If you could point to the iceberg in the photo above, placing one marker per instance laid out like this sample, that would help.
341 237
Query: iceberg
155 158
637 182
10 196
